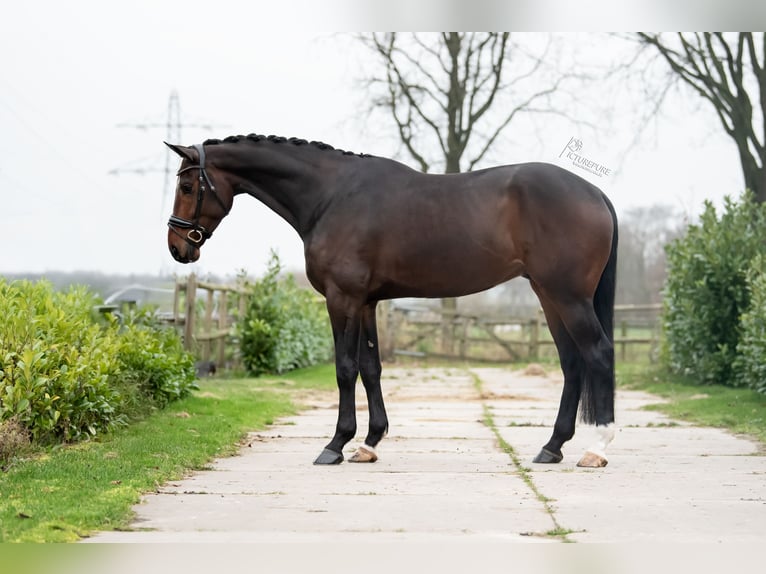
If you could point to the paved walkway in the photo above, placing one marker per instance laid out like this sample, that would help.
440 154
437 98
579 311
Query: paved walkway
442 476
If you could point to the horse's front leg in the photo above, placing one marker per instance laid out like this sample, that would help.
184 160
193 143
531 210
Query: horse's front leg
346 323
370 369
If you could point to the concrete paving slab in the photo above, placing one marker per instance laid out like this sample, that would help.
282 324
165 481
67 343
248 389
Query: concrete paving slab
442 477
341 542
336 484
339 513
665 481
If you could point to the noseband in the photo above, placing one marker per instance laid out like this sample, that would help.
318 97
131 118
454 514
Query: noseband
196 233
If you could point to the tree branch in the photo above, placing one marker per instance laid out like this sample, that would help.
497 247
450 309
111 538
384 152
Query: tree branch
394 77
443 93
691 78
521 107
715 68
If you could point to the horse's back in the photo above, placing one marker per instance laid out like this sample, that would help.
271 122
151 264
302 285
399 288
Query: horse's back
395 183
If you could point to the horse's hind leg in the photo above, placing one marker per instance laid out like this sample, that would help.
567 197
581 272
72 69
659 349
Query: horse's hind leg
597 402
370 370
589 378
574 369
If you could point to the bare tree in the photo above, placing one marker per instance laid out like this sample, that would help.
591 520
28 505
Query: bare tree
729 72
451 95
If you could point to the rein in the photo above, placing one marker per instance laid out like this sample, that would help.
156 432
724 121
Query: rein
196 233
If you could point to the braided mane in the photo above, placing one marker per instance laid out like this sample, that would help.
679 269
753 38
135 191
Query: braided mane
255 138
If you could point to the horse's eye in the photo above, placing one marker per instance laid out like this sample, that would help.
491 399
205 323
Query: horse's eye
186 188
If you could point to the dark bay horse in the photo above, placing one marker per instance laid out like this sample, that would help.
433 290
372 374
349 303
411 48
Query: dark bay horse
375 229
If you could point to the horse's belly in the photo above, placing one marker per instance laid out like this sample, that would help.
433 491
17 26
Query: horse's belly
445 275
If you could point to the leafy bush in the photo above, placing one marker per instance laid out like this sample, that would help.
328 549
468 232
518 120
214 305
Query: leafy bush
55 362
750 364
284 327
64 375
706 289
153 361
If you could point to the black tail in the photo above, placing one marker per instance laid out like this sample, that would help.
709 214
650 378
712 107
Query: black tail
603 303
603 300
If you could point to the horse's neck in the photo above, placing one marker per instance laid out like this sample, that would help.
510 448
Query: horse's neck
286 179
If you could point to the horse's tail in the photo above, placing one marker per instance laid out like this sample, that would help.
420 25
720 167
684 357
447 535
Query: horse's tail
603 304
603 300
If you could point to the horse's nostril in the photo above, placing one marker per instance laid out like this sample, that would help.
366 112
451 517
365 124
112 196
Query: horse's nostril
174 251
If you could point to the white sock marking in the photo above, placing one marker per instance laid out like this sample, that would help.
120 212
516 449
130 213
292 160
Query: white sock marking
604 436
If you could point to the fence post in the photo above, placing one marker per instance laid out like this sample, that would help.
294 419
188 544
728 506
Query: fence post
535 325
534 337
222 325
208 343
448 313
176 302
624 333
384 318
191 295
463 344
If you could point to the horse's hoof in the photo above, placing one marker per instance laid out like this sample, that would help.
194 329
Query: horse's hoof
547 457
592 460
364 454
329 457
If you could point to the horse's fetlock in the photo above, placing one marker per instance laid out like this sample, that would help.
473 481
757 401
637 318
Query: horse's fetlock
377 430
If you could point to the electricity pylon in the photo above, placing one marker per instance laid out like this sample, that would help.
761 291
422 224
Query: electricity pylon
173 126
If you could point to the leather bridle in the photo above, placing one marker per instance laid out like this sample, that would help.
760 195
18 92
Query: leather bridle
196 234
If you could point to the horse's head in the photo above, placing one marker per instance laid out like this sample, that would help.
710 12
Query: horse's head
203 198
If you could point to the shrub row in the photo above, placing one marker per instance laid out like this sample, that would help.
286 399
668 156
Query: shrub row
284 327
750 364
714 318
66 374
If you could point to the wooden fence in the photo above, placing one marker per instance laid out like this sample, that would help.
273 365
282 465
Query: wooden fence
418 330
207 322
405 329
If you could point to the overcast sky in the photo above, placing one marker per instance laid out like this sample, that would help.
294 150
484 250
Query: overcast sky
73 77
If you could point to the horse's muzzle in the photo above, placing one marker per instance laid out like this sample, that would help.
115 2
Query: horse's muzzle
176 255
187 255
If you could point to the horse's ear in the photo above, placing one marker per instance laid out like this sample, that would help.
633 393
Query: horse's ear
183 151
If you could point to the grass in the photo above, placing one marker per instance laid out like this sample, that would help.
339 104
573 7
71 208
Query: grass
320 377
65 493
740 410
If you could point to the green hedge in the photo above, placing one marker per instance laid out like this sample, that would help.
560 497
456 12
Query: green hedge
708 292
153 361
284 327
66 374
750 364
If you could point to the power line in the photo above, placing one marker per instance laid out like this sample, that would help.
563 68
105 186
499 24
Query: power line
173 125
